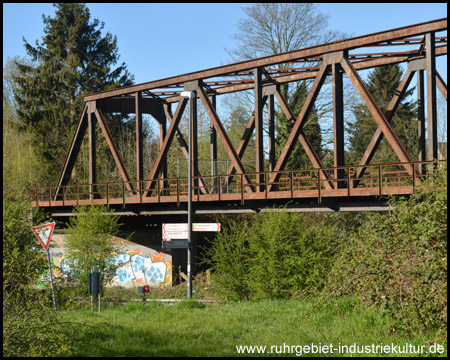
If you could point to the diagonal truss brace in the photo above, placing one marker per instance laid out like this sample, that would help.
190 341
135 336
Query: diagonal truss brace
301 119
113 148
378 115
303 139
166 145
236 161
73 152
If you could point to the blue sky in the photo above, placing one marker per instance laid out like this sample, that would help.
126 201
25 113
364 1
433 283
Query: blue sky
162 40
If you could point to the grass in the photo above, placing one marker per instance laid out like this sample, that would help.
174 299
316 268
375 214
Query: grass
191 328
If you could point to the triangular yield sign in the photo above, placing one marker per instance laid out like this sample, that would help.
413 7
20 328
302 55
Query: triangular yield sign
44 233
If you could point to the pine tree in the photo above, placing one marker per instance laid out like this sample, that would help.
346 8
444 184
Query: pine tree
382 84
73 59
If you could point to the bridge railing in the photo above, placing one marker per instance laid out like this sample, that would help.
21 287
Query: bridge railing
355 180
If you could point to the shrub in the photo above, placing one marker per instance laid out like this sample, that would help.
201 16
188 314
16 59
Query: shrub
30 325
397 261
274 255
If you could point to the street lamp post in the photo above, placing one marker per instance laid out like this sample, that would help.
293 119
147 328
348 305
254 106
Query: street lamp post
191 96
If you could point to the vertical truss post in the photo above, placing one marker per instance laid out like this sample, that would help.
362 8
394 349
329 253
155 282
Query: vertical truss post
431 96
271 110
334 59
259 143
338 124
139 142
213 146
421 118
92 150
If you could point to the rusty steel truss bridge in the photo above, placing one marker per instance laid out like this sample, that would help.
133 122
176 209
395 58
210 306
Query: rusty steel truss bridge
341 187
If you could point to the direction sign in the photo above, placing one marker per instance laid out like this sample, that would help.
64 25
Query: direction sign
175 244
206 227
175 235
176 227
44 233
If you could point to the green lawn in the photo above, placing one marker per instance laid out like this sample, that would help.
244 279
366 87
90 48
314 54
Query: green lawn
194 329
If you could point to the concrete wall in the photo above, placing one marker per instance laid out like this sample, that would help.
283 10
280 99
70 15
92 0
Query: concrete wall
141 264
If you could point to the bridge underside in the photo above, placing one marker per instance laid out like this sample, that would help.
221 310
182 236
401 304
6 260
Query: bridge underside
360 187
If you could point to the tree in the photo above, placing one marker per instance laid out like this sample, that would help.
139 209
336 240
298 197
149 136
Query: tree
88 242
22 164
72 60
382 84
272 28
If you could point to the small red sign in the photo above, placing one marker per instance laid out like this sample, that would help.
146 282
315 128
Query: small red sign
44 233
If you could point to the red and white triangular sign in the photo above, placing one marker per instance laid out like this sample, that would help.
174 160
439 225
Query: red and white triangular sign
44 233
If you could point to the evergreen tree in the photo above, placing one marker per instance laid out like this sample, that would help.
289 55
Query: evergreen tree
382 84
73 59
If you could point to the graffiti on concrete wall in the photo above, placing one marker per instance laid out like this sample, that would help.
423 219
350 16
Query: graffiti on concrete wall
137 269
140 269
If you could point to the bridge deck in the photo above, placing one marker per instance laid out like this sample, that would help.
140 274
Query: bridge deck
313 184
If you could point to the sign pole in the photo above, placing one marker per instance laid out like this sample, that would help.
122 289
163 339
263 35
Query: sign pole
51 278
44 234
191 96
190 249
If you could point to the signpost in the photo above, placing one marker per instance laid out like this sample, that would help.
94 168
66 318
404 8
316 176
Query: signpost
175 244
44 234
177 236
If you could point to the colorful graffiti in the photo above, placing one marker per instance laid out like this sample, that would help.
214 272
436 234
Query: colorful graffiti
143 270
137 269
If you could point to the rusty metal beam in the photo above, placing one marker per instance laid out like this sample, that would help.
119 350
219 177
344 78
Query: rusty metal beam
303 139
301 119
259 143
166 145
421 118
74 149
346 44
432 151
236 161
377 114
139 141
92 154
245 139
441 85
413 66
113 148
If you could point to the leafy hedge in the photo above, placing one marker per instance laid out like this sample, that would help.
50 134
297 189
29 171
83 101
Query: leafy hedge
397 261
272 255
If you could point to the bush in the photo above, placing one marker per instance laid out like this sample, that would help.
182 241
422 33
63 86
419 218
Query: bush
30 325
273 255
397 261
88 236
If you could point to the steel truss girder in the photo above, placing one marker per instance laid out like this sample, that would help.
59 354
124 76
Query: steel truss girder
335 60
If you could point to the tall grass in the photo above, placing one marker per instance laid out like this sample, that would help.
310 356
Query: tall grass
193 329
